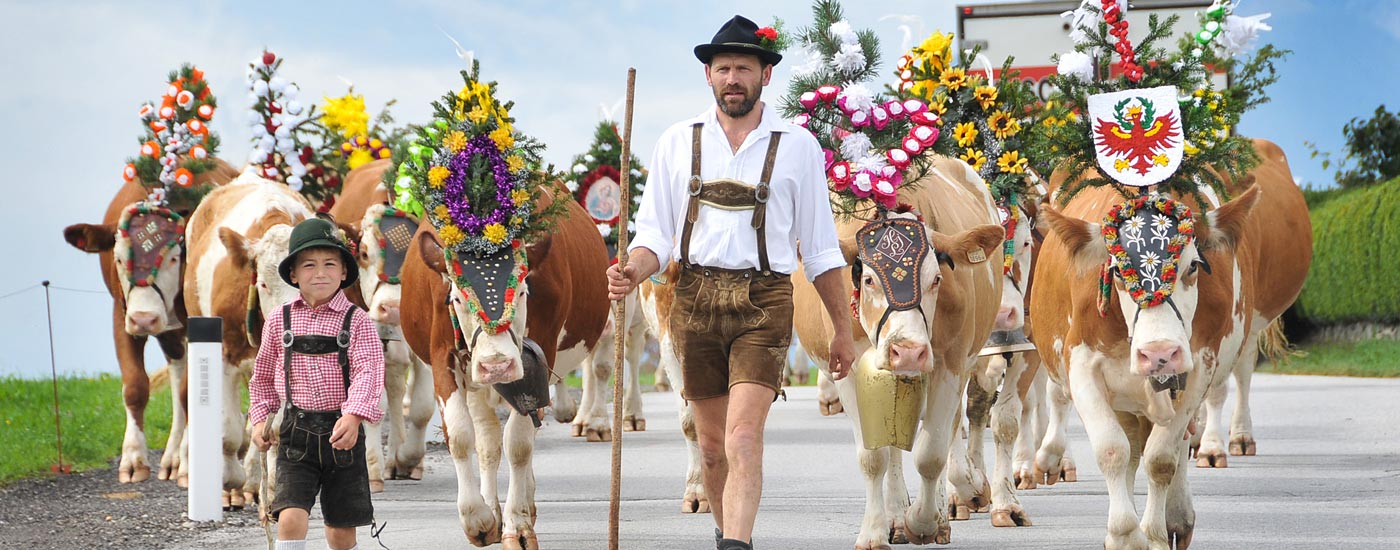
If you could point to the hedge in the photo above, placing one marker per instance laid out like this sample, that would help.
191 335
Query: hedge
1355 274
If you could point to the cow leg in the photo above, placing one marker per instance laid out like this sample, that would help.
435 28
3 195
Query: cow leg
396 367
1113 451
409 454
136 392
173 344
1211 453
1033 422
828 399
1181 513
518 533
1006 428
235 436
875 532
926 520
1241 424
480 522
967 466
594 412
632 418
1052 460
1163 453
694 500
896 496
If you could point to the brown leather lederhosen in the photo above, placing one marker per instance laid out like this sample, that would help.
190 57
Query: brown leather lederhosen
730 325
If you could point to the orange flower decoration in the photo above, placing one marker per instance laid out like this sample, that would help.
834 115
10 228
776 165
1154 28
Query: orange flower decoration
183 177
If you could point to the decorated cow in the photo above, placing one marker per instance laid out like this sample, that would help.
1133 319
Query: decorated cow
498 238
141 251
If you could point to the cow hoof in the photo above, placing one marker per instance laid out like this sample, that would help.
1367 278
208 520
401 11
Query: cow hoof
634 424
238 499
376 486
1068 473
564 416
598 435
1180 536
1211 459
486 537
576 430
956 512
1242 445
695 505
1025 479
1015 516
830 407
524 540
943 534
872 545
134 475
898 534
165 473
417 473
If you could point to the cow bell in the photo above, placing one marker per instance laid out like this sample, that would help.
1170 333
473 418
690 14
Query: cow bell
889 405
1005 342
530 393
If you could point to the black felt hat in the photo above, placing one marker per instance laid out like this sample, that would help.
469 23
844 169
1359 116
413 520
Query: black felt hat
738 35
318 233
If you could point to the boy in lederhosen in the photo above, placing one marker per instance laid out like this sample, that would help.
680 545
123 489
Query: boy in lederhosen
730 195
321 362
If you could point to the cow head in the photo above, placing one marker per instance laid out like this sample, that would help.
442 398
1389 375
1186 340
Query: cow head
1159 307
897 287
1017 220
489 312
261 256
383 237
148 249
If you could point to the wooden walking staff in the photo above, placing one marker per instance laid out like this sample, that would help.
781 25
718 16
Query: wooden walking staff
620 316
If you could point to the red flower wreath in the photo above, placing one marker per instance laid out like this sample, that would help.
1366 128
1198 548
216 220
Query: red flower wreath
1185 225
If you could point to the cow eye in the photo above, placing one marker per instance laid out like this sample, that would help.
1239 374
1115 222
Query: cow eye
1195 266
937 280
869 281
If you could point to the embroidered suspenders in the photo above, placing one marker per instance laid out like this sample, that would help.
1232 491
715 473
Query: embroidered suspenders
314 344
728 194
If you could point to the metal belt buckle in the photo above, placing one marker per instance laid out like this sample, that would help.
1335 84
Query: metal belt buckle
695 186
760 193
287 339
343 339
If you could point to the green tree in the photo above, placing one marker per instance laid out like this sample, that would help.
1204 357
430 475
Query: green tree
1372 150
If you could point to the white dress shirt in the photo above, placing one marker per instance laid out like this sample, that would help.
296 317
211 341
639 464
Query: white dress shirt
798 206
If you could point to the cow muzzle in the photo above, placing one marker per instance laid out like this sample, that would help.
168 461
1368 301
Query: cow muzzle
1160 358
386 311
497 369
908 357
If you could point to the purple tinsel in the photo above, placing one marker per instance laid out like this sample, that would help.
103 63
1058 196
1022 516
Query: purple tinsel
455 196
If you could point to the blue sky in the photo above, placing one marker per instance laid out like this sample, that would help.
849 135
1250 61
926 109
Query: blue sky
76 71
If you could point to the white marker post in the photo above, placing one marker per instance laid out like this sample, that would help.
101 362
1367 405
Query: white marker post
205 435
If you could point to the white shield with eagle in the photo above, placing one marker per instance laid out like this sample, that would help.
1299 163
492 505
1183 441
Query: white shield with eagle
1137 134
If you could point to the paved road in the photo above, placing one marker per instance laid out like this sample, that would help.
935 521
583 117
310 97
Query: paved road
1327 477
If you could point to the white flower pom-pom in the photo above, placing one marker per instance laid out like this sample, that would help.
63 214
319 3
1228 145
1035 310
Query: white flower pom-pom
1076 65
267 143
604 229
277 84
260 87
843 32
255 118
298 169
290 92
636 173
293 107
872 163
1240 32
588 158
855 146
257 157
284 132
294 182
605 146
850 60
857 97
572 186
813 63
580 168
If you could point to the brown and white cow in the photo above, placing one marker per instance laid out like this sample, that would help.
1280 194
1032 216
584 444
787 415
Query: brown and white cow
592 419
565 287
1257 248
959 306
237 237
408 382
139 312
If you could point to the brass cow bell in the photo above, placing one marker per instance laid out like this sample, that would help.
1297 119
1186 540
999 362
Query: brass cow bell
1004 342
889 405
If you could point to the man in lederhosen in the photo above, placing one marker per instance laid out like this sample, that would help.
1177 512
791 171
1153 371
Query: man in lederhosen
731 194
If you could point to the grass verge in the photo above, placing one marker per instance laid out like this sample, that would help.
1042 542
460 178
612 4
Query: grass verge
1368 358
93 421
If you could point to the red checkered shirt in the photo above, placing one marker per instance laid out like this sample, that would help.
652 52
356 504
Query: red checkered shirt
316 379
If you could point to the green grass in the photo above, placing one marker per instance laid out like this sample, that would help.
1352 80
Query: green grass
93 420
1370 358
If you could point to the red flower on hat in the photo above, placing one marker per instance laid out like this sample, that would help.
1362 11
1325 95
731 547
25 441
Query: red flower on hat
767 37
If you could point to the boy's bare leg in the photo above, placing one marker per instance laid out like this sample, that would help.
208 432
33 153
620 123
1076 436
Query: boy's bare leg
340 538
291 524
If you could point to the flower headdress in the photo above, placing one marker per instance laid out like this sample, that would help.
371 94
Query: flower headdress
872 142
598 179
177 143
476 179
282 131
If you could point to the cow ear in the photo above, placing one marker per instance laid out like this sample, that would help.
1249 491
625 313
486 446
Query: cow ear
964 246
91 237
1081 238
537 251
1225 225
240 248
431 251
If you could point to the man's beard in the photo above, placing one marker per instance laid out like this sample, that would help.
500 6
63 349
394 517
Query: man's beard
744 107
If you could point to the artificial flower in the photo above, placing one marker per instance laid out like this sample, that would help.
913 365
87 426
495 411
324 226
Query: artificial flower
359 158
495 233
504 141
455 141
953 78
850 59
1012 162
973 158
514 163
442 214
965 133
1076 65
986 96
437 175
451 235
346 115
1003 125
519 196
477 115
933 53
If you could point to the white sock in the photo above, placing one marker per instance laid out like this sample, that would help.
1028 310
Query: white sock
291 544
